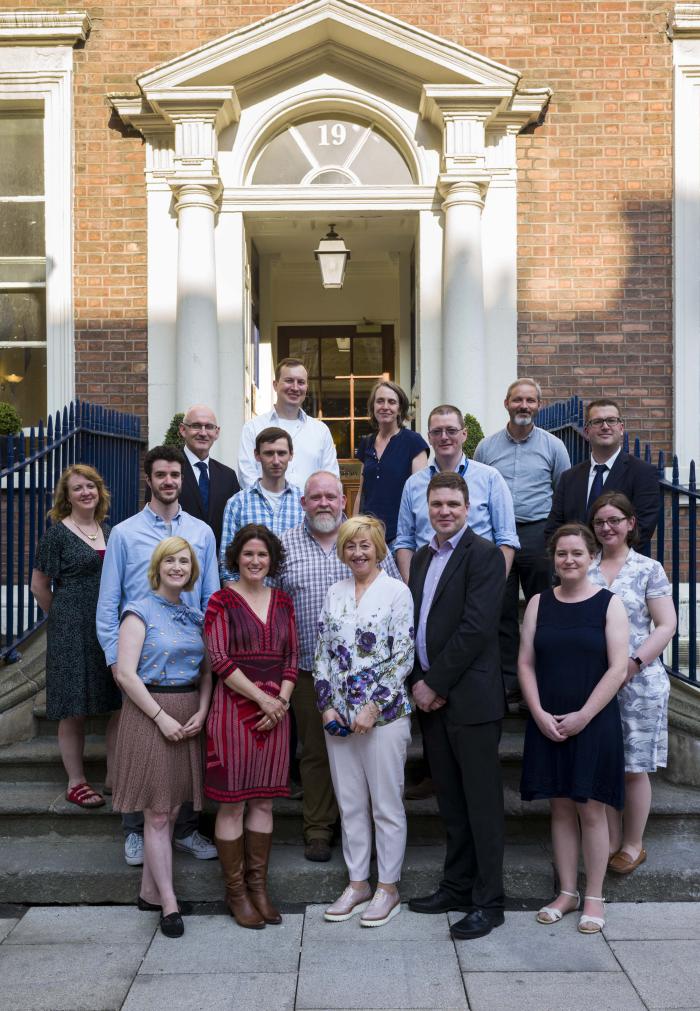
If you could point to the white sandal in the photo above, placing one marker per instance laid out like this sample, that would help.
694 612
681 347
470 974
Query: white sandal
550 914
591 924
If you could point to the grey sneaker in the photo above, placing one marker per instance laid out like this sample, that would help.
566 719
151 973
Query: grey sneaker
133 849
197 845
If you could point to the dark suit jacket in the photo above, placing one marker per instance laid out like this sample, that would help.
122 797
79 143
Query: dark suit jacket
223 483
638 480
462 629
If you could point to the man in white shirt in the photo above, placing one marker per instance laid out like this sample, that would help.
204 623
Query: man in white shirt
313 444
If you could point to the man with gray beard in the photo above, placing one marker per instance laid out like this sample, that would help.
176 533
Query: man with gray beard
311 566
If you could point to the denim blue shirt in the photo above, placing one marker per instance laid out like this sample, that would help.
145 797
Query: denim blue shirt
490 507
125 568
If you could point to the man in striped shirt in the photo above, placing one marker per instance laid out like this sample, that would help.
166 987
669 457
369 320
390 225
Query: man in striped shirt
311 566
272 501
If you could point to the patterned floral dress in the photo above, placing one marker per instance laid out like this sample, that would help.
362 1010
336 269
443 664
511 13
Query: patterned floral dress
644 700
365 651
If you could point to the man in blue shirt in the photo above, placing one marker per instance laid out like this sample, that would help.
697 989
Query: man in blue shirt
124 578
491 510
531 461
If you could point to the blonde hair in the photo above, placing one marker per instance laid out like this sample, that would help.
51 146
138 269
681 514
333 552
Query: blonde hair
171 546
61 502
352 527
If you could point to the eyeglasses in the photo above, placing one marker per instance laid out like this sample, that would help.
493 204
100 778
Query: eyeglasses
200 426
613 522
599 422
435 433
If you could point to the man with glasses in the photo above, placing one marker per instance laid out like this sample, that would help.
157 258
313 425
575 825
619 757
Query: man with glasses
608 469
207 485
313 443
491 512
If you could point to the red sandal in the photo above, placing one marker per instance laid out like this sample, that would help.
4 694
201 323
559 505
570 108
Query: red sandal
82 795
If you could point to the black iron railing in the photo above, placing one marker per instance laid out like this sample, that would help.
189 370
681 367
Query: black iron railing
30 467
675 543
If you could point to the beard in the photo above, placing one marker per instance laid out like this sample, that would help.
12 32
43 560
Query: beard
324 523
523 419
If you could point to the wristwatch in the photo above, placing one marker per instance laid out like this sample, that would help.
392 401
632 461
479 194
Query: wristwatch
638 660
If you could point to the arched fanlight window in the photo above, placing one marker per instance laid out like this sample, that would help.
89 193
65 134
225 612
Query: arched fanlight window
331 151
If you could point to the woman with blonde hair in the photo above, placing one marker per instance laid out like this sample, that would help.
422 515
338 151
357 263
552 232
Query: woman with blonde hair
66 582
363 657
163 671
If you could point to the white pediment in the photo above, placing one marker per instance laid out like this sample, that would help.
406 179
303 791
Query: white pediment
311 27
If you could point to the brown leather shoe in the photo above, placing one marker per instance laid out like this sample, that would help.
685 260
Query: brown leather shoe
257 858
232 859
623 863
317 850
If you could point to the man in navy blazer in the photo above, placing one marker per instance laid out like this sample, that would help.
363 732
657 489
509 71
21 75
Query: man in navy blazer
205 478
608 469
457 582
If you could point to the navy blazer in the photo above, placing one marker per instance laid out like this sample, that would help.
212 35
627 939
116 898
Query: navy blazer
638 480
462 629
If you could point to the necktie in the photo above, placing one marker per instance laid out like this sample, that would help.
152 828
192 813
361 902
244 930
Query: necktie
203 484
597 486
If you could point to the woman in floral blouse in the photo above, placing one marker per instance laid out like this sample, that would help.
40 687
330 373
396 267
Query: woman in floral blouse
363 657
645 591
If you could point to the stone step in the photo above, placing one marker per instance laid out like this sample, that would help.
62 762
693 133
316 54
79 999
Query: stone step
90 869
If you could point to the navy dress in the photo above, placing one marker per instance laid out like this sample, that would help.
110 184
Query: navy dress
570 659
383 478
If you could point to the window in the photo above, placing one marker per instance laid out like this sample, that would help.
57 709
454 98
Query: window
22 262
337 151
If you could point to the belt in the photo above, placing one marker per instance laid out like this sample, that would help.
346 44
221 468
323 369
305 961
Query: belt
172 689
530 523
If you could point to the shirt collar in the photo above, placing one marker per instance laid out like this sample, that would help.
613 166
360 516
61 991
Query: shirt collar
516 441
261 491
453 541
154 519
459 469
274 416
194 460
608 463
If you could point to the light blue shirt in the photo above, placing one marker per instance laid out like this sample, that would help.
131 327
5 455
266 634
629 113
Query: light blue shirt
490 507
125 568
438 564
531 468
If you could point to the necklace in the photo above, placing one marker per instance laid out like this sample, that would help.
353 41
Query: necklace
90 537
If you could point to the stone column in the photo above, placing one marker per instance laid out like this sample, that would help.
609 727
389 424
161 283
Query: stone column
463 320
196 330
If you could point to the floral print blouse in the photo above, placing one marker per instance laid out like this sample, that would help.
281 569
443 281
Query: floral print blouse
364 651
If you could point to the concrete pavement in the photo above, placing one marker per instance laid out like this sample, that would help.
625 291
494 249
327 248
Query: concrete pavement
95 958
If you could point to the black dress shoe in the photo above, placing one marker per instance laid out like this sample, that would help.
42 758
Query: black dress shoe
172 925
317 850
477 923
439 902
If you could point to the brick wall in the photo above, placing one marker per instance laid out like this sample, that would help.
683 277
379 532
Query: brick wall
594 192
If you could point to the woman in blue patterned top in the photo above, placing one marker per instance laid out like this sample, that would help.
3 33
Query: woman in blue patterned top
164 674
363 657
644 589
389 456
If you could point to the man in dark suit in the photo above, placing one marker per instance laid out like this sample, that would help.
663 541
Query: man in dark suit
457 582
207 485
609 469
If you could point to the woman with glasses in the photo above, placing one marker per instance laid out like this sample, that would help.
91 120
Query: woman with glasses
644 589
389 455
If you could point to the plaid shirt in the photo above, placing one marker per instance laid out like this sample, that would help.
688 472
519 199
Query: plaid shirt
307 575
251 506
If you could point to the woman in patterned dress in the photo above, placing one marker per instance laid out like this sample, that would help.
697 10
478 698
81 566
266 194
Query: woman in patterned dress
363 657
251 638
641 584
66 583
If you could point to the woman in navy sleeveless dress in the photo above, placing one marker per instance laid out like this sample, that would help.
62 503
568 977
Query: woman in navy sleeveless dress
573 659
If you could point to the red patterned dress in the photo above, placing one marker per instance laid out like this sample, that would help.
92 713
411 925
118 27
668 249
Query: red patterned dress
242 762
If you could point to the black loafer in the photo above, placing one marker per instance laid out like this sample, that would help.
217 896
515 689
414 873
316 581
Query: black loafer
477 923
150 907
439 902
172 925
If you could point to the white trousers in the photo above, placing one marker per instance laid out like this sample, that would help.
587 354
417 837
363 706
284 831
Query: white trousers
368 775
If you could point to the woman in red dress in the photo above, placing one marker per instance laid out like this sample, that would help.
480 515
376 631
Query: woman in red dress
251 638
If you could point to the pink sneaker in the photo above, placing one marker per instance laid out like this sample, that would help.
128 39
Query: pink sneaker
353 900
382 908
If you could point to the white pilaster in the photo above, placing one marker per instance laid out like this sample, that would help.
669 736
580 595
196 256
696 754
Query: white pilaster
234 316
428 387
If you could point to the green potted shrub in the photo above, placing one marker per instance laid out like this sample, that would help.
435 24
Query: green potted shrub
475 434
10 424
172 436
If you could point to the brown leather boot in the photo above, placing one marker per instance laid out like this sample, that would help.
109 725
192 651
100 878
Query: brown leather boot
232 859
257 857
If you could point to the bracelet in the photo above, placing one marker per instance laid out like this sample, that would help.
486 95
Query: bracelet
638 660
154 718
287 703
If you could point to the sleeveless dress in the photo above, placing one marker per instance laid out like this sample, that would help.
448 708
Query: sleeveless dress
570 659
